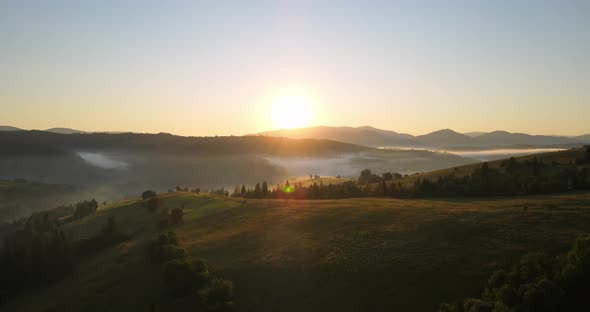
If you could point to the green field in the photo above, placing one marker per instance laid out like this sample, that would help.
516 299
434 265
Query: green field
340 255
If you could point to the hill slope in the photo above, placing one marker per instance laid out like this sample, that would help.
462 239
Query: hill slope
504 138
367 136
565 157
64 130
583 138
337 255
9 128
117 166
446 137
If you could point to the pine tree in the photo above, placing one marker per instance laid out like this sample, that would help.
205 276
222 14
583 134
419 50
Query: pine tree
257 189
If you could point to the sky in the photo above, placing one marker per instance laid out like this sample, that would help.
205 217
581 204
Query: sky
218 67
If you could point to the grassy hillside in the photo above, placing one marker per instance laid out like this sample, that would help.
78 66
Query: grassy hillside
19 198
339 255
556 159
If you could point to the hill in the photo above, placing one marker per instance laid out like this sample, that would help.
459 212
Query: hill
446 138
64 130
167 143
583 138
504 138
19 198
336 255
554 159
117 166
9 128
367 136
474 133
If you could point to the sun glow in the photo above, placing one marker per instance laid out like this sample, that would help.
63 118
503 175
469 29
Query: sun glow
291 111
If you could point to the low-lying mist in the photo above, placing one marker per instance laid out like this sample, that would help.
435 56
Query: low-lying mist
113 175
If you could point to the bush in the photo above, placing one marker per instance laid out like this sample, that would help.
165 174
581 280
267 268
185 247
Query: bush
166 248
148 194
85 208
179 277
171 252
477 305
537 283
200 266
168 238
220 291
544 296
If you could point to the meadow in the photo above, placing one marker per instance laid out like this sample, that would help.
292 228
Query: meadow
370 254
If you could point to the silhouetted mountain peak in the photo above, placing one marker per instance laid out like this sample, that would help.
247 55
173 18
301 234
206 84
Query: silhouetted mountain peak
9 128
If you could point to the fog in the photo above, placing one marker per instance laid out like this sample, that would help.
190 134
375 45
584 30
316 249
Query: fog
302 166
102 160
350 165
486 154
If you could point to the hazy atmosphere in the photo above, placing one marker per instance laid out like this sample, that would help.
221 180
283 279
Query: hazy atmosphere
294 155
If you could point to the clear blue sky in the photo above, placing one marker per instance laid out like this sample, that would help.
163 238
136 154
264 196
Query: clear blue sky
214 67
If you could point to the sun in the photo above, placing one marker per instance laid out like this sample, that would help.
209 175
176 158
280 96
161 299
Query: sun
291 111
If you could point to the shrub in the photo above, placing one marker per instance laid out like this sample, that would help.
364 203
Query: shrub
477 305
179 277
148 194
85 208
200 266
220 291
544 296
167 252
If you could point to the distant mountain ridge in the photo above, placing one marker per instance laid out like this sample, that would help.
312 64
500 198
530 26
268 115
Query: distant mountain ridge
61 130
507 138
374 137
366 135
370 136
65 130
9 128
446 137
583 138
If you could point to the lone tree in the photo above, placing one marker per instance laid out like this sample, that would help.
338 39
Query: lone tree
148 194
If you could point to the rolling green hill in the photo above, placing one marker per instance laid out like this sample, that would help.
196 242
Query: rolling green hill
316 255
555 159
19 198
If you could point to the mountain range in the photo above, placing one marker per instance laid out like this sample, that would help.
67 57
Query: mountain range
374 137
370 136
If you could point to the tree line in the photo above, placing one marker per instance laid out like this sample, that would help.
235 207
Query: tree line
39 253
512 177
538 282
